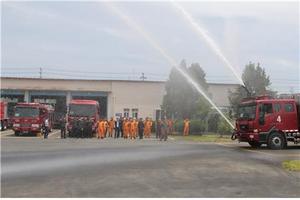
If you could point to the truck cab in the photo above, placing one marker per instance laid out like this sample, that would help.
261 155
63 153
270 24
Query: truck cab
82 111
264 120
29 118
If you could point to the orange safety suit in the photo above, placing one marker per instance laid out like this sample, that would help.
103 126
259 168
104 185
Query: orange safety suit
132 129
101 129
186 128
111 126
125 129
128 129
147 130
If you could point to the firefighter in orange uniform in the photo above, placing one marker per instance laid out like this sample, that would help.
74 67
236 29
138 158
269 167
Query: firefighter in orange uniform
186 125
132 129
146 127
150 126
126 130
105 125
101 129
147 130
124 127
111 126
136 127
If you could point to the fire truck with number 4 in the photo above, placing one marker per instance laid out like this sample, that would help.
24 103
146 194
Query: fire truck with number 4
265 120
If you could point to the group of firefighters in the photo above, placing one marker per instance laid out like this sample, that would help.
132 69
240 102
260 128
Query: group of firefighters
130 128
127 128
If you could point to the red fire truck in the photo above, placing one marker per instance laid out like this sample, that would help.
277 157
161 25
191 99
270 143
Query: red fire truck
83 110
4 115
265 120
29 118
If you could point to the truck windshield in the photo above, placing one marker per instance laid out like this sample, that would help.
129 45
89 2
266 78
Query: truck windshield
26 112
247 111
77 110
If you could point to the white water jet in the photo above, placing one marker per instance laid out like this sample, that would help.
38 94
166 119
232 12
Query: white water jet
131 23
202 33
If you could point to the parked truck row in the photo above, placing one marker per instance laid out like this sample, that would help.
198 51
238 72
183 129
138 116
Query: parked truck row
28 118
261 120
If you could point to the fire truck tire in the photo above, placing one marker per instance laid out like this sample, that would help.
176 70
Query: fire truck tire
276 141
17 133
254 144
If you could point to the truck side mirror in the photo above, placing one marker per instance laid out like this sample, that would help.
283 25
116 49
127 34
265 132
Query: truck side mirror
261 119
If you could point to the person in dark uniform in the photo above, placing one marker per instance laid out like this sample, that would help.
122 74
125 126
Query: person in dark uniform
158 128
141 128
89 128
164 130
77 128
81 128
73 129
117 128
45 128
63 127
121 127
85 128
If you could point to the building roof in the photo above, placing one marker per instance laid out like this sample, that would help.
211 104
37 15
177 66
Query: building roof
105 80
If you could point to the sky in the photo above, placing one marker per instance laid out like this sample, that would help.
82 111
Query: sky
88 40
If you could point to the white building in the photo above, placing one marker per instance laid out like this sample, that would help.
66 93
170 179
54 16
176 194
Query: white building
116 97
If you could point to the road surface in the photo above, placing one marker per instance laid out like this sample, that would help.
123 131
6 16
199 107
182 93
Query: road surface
34 167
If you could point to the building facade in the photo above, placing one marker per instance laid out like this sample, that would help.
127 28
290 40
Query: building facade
116 97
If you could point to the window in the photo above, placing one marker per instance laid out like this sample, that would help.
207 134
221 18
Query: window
277 107
135 113
266 108
82 110
288 107
247 111
126 112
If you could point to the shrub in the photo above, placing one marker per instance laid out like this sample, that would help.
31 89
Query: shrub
224 127
178 126
213 122
197 126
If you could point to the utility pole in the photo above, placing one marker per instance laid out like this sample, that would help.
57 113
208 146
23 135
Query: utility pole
41 72
143 77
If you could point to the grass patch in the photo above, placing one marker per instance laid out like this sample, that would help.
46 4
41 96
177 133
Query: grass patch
205 138
291 165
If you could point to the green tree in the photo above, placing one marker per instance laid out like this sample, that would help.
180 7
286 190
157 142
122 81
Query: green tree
176 89
181 99
257 83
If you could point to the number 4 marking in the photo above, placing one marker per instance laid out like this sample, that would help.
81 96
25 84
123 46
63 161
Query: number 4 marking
278 119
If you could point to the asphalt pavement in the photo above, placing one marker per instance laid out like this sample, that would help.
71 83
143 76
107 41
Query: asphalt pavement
34 167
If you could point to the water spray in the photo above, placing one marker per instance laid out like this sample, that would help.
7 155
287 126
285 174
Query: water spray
132 24
246 89
202 33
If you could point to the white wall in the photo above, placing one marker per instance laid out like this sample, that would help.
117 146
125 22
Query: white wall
145 96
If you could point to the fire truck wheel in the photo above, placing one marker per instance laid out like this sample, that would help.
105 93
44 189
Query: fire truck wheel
276 141
254 144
